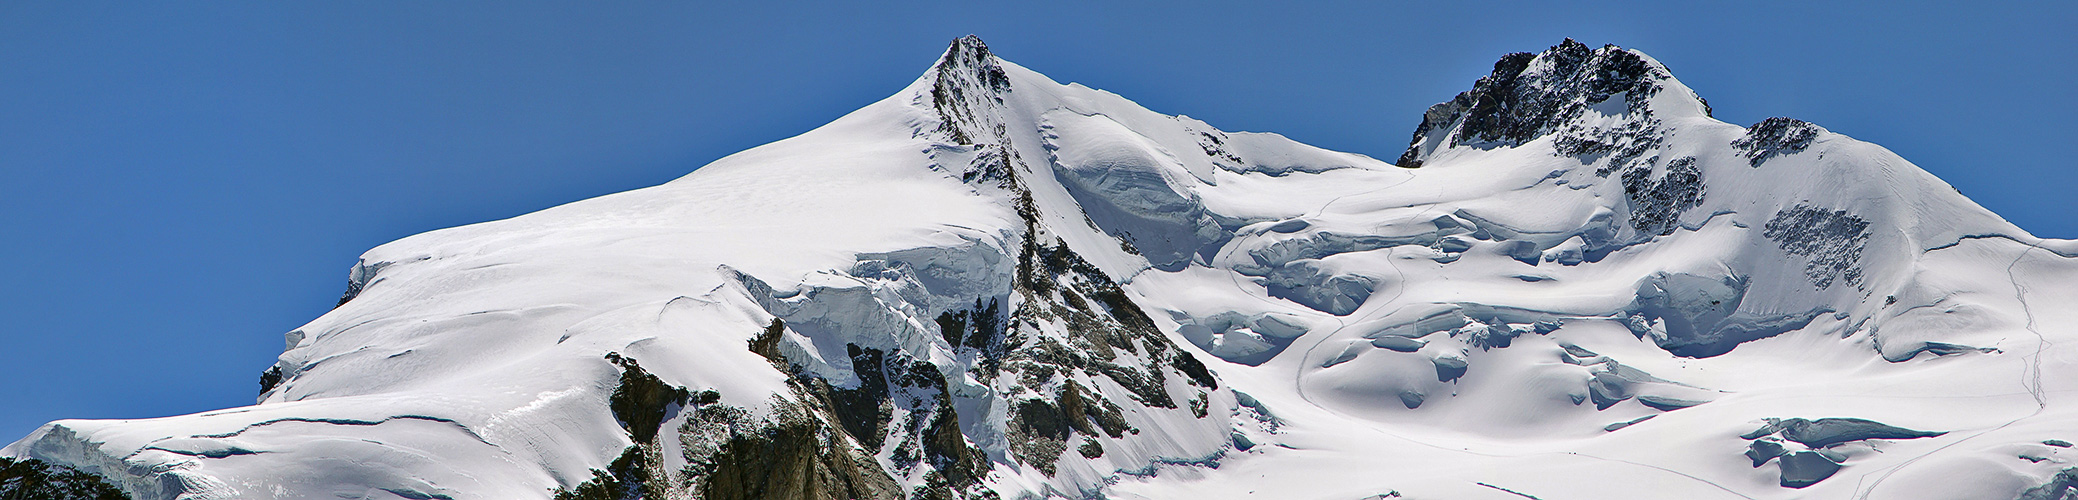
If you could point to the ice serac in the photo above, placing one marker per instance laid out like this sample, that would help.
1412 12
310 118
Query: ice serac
1574 281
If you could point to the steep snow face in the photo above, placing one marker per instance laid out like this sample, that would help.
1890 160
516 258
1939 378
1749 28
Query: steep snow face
1575 283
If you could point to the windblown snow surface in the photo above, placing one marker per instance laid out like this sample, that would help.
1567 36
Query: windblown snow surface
1575 284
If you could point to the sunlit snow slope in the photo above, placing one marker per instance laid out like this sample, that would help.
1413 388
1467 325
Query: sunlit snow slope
1574 284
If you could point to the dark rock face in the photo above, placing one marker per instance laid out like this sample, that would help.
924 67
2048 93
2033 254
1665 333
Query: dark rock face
1775 136
1832 239
967 93
975 327
1531 95
32 479
1048 425
269 379
864 411
791 460
957 466
641 400
1195 370
358 279
1657 205
353 289
969 78
794 453
863 414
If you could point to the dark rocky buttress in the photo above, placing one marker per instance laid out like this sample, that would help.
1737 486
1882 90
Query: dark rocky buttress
1532 95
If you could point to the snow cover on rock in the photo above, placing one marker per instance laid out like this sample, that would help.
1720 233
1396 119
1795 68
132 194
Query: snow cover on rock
992 285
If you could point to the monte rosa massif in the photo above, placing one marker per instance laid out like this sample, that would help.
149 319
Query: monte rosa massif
1574 284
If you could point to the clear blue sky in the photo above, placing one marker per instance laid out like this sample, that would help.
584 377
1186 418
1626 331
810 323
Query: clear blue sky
184 181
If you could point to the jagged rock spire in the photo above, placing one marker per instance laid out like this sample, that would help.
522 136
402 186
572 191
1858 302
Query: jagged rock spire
969 83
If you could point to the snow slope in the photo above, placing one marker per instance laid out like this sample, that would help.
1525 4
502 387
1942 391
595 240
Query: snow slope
993 284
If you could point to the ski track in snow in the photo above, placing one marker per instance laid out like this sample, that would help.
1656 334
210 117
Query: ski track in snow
2031 376
1299 372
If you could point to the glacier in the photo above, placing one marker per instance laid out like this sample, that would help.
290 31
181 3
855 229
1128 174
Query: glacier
1574 283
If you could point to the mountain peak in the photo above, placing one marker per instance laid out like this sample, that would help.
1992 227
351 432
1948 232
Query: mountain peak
967 48
967 81
1532 95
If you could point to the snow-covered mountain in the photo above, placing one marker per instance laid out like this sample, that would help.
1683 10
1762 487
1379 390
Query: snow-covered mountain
1575 283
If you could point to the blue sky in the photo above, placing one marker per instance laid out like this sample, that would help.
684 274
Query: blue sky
185 181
